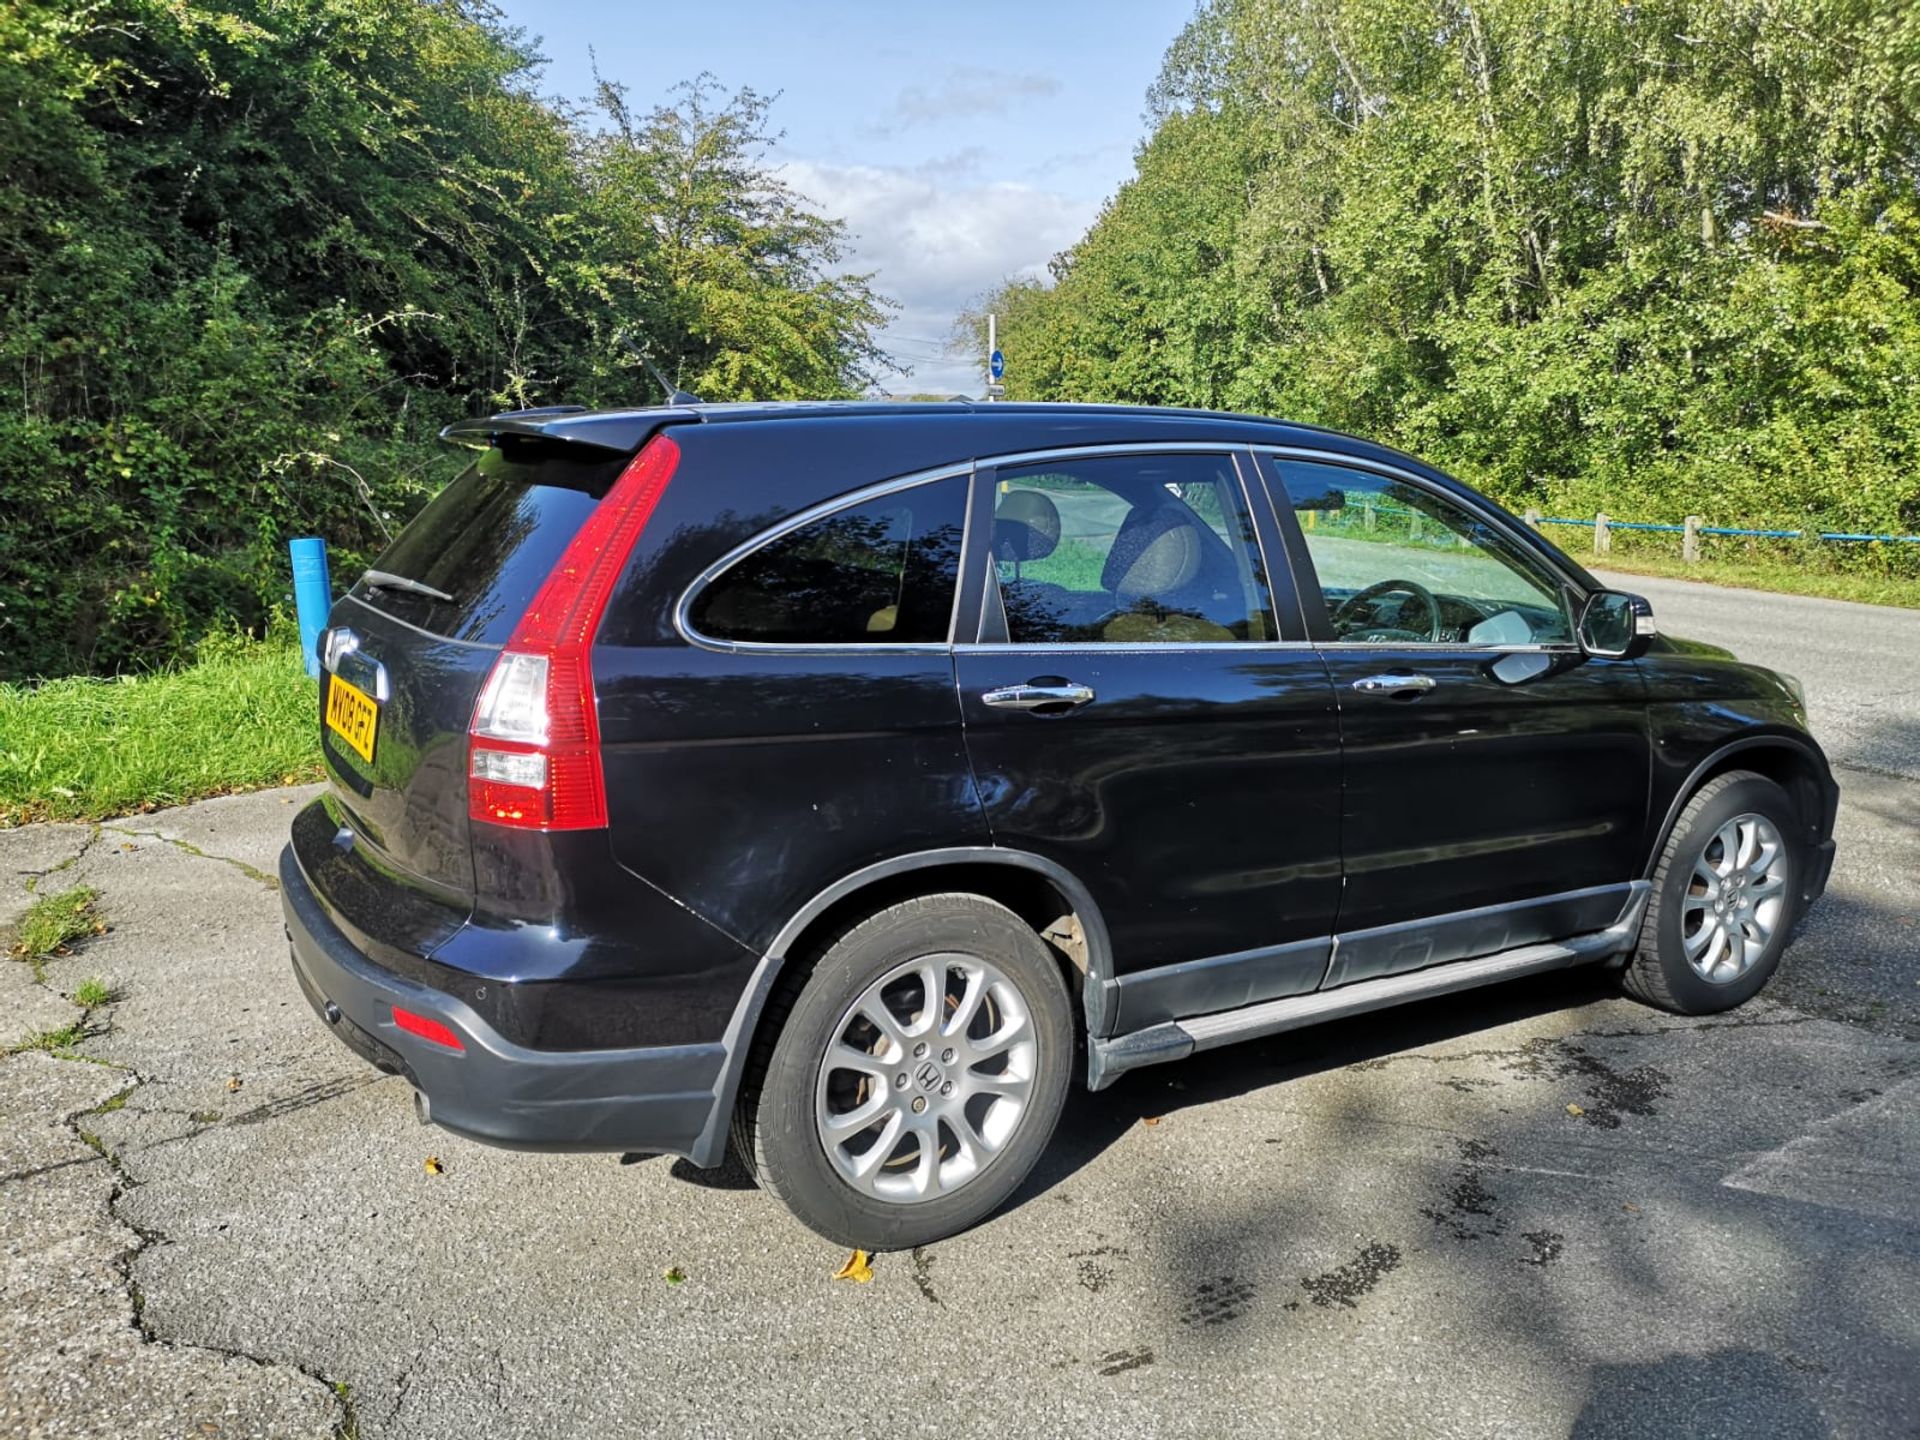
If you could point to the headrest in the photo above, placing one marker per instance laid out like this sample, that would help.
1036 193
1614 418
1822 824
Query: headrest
1026 526
1156 552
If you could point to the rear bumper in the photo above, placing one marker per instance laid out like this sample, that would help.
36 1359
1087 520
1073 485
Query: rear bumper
657 1098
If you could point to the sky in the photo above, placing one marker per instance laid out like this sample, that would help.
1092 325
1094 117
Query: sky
962 144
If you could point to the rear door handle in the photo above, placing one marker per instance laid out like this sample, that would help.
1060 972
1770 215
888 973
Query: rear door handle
1395 684
1039 697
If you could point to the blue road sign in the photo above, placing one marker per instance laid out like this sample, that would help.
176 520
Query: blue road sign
997 364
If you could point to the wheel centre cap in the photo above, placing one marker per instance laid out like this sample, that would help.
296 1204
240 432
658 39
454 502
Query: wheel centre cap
928 1077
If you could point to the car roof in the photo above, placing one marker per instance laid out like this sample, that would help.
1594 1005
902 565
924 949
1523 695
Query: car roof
915 434
987 428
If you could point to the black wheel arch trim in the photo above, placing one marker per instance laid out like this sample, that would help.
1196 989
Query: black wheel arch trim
1820 827
710 1149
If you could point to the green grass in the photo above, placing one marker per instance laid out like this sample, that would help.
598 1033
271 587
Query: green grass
1765 573
91 992
53 1041
53 921
242 716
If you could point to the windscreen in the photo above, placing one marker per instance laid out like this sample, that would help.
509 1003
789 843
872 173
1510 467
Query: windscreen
490 538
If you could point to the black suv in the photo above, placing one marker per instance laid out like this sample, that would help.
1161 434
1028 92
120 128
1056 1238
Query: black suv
842 778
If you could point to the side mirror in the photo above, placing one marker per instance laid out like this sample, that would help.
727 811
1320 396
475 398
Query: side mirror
1616 626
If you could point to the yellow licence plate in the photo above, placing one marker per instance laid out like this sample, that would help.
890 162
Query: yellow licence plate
352 715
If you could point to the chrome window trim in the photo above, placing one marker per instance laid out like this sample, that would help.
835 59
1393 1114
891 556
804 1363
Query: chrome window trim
683 609
1111 448
1237 647
1565 648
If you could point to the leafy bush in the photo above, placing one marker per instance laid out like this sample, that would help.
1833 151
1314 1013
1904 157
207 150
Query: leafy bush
254 254
1656 259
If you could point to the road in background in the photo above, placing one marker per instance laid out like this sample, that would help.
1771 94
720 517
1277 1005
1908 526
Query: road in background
1860 663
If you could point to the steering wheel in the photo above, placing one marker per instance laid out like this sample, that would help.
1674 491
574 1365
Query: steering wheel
1349 609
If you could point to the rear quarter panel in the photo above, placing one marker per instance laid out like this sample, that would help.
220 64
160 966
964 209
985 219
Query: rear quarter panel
744 783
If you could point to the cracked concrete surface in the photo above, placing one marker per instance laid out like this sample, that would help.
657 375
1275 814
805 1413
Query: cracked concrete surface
80 1356
1538 1210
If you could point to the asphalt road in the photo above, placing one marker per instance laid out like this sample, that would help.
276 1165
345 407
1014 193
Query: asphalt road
1539 1210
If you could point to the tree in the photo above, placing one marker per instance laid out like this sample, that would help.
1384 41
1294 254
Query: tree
1656 257
254 254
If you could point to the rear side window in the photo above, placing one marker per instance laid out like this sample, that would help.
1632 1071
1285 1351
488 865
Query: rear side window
882 572
489 540
1129 550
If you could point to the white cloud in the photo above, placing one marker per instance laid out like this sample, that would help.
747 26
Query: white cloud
965 91
936 239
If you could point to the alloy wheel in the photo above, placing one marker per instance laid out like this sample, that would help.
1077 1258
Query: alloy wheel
1736 898
926 1078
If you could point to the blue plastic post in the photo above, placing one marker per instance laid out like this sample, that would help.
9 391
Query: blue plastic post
312 595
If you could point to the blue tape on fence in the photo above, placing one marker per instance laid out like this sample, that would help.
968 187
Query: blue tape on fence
312 595
1839 535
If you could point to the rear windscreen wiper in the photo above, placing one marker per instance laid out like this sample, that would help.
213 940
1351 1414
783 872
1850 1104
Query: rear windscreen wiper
387 580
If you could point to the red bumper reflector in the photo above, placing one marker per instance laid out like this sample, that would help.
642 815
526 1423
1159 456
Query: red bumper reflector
426 1029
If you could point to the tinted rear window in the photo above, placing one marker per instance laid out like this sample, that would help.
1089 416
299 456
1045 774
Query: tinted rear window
878 573
490 538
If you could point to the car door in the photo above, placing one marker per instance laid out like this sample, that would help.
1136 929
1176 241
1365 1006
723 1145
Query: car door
1494 775
1137 711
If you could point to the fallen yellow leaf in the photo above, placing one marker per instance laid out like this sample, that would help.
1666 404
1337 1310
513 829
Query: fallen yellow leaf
233 1082
434 1167
1575 1110
1150 1120
857 1269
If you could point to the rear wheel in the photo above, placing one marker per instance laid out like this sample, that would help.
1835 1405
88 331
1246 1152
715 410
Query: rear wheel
917 1076
1725 896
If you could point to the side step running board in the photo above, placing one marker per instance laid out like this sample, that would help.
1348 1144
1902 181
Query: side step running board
1107 1060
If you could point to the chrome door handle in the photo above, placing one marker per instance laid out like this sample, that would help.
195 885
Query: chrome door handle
1038 697
1395 684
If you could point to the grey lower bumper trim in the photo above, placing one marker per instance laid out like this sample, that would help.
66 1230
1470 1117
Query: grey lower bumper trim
1107 1060
655 1099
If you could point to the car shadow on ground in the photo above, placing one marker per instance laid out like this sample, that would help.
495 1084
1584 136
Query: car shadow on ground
1094 1122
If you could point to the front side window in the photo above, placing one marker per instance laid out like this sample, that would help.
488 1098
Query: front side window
1129 550
1400 565
879 573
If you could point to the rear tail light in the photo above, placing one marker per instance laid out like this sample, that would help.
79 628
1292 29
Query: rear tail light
533 750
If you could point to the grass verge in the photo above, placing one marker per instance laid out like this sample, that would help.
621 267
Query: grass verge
1782 576
241 717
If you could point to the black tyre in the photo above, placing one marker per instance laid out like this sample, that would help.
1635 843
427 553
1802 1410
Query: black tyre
1725 897
916 1076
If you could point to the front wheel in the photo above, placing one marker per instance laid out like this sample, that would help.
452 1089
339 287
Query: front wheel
1725 896
917 1076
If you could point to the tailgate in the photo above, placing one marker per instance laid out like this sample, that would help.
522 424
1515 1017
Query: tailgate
418 636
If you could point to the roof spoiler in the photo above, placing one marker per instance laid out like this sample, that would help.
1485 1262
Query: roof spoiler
618 431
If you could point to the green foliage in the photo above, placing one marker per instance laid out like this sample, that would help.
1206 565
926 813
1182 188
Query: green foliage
88 994
54 1042
241 716
1654 258
255 253
54 921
